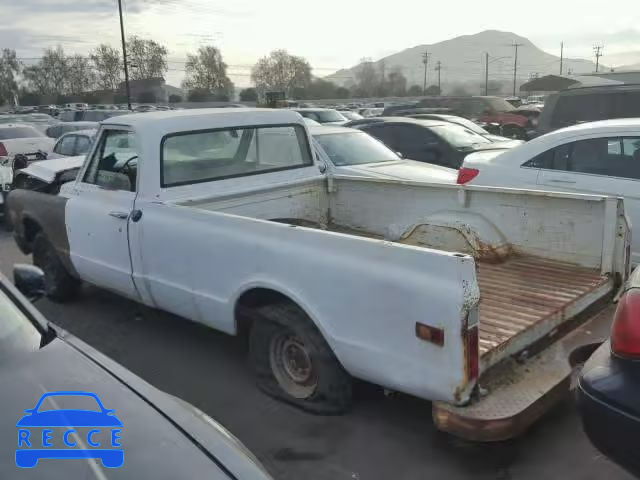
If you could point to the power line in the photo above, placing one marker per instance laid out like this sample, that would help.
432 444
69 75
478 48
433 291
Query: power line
597 49
425 60
515 65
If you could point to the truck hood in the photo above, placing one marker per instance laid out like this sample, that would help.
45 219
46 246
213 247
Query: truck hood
47 170
28 145
402 170
160 437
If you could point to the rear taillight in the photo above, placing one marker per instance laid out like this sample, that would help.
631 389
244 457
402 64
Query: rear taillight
3 150
466 175
472 353
625 331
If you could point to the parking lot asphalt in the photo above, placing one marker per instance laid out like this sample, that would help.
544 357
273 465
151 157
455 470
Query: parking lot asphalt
381 438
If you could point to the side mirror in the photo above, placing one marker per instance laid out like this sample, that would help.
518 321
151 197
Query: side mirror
29 279
400 154
322 167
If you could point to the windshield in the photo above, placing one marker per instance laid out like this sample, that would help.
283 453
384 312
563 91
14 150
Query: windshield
325 116
499 105
459 136
17 332
474 127
354 148
19 132
351 115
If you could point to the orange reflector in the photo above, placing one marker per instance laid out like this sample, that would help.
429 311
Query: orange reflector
430 334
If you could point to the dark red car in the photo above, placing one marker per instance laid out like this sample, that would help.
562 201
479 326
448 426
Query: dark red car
485 110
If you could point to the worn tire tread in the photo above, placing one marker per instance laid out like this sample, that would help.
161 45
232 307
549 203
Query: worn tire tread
333 395
64 286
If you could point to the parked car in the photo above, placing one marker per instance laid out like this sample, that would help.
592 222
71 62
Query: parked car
59 129
90 115
430 141
466 123
76 106
19 145
325 116
72 144
301 250
370 112
609 386
349 115
598 157
485 109
351 152
588 104
47 177
35 355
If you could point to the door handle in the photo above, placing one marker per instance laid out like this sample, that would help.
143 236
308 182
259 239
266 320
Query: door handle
562 181
120 215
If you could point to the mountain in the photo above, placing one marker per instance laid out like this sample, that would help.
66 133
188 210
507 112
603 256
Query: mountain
462 59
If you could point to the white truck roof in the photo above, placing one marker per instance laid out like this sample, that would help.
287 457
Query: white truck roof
163 122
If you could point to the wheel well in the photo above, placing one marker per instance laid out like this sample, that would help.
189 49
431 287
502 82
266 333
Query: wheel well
252 299
31 229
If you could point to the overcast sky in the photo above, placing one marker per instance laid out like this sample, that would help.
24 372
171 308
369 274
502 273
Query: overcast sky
331 34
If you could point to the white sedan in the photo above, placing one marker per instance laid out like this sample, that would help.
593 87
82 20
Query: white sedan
352 152
598 157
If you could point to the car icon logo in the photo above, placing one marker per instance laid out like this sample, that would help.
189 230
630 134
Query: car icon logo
82 433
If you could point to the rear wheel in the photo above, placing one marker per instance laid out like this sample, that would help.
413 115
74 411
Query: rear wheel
293 362
59 285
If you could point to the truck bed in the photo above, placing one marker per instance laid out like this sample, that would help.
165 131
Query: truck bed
525 297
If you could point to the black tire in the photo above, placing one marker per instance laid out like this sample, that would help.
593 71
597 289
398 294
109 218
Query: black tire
329 392
6 219
59 285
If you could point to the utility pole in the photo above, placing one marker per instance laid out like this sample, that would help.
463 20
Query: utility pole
439 69
425 60
598 51
561 55
486 73
124 57
515 65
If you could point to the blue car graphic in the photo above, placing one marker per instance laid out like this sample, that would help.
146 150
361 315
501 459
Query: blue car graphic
69 418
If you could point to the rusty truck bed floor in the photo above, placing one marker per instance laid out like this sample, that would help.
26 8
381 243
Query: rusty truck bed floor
526 297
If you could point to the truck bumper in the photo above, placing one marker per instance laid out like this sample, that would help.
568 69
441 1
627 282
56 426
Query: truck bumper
520 392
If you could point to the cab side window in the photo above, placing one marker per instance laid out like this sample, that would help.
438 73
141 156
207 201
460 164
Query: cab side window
115 161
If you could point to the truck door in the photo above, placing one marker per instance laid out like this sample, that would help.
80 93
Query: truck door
99 211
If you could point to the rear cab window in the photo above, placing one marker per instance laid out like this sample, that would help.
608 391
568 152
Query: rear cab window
210 155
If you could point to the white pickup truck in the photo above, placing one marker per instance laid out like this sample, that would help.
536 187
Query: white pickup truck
466 296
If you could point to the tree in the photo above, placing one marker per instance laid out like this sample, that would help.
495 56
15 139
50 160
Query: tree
414 91
174 98
281 71
108 66
148 58
49 76
320 89
9 70
396 83
342 92
432 90
367 79
198 95
80 76
249 95
147 97
206 71
460 91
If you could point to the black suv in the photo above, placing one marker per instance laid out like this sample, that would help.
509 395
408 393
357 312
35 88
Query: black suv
588 104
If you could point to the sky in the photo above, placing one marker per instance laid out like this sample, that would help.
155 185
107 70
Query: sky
331 34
